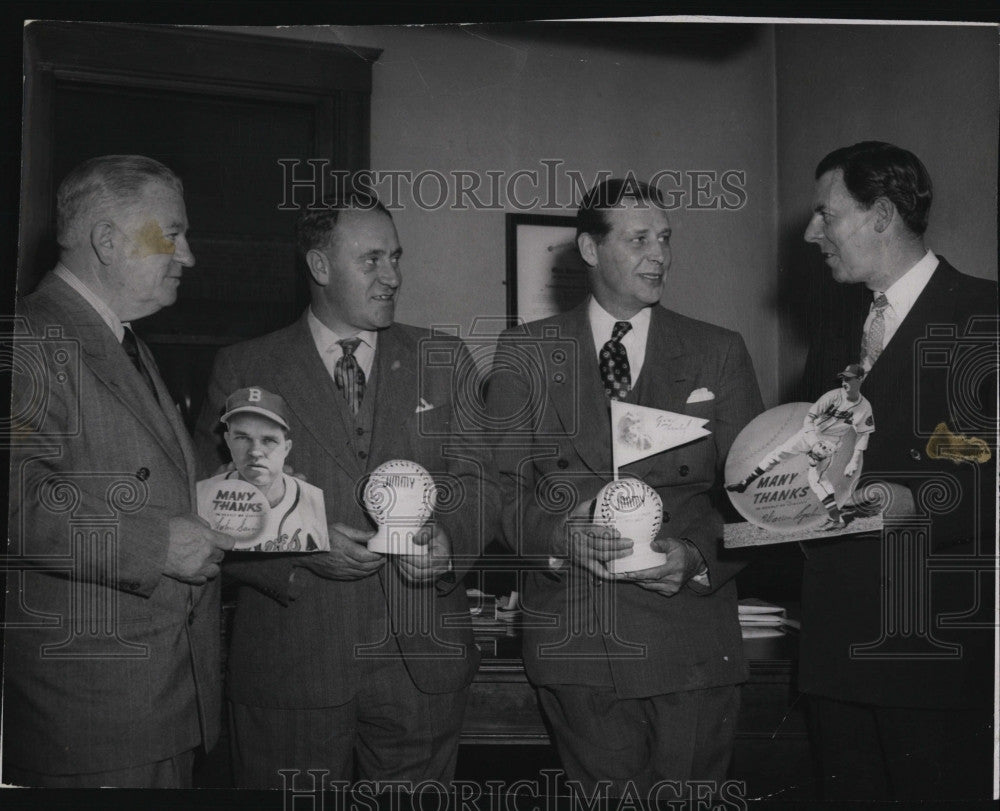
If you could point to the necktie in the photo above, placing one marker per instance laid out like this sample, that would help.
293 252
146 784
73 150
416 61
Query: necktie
131 347
872 343
348 375
615 373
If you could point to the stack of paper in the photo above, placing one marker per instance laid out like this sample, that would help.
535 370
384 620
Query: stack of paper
487 609
759 619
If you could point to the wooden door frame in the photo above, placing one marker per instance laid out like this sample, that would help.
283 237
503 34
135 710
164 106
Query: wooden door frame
334 79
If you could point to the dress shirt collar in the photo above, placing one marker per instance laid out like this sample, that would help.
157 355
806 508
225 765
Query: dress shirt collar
602 324
329 348
103 310
904 292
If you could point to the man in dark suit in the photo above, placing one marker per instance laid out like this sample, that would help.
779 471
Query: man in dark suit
637 674
896 654
350 661
112 614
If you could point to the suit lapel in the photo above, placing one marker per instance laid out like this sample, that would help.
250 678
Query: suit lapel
313 397
396 389
933 305
668 376
104 356
588 424
171 413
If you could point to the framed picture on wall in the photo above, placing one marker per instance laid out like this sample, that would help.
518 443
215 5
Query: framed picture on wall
545 274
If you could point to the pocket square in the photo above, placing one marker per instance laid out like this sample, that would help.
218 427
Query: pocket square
423 406
700 396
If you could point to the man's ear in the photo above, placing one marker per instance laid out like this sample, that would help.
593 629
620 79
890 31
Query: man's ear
225 436
885 212
102 240
588 249
319 267
288 446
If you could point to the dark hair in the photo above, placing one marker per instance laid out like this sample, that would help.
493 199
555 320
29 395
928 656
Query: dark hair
591 218
316 223
874 169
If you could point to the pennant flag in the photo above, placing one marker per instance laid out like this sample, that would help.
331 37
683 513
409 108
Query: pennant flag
638 431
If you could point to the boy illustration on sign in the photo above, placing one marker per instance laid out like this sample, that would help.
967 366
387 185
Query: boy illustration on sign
827 422
257 432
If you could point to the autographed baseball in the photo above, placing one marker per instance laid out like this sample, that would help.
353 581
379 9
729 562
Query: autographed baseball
400 496
635 510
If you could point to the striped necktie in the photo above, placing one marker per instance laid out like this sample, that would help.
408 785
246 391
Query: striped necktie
349 377
873 341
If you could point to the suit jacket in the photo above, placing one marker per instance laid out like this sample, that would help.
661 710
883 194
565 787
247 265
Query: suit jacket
547 397
308 647
937 368
109 663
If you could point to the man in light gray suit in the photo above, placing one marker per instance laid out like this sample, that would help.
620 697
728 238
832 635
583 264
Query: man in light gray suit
112 613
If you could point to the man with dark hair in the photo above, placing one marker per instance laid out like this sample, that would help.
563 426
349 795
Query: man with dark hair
636 673
896 652
350 661
112 629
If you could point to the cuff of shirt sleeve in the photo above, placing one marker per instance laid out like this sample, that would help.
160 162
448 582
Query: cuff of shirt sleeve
701 578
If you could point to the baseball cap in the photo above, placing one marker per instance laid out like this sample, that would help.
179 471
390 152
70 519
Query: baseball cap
255 400
852 370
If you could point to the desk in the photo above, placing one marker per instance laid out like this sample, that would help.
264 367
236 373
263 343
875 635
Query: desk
772 750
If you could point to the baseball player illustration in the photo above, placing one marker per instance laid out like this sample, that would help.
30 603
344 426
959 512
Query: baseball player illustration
827 422
257 432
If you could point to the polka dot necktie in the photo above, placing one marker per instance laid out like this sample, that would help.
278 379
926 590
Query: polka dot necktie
872 343
615 373
348 376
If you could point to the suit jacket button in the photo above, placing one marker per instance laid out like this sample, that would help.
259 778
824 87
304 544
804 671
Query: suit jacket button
142 474
362 455
562 464
359 431
684 470
666 516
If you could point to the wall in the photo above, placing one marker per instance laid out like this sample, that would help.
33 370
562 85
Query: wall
768 100
930 89
596 97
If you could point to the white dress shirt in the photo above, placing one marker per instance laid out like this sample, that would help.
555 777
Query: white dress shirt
902 295
114 323
330 350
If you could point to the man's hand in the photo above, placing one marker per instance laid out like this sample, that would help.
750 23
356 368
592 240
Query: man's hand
426 568
194 550
589 545
851 469
684 561
821 450
348 558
